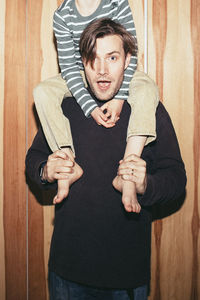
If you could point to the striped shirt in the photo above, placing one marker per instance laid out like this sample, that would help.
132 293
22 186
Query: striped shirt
68 25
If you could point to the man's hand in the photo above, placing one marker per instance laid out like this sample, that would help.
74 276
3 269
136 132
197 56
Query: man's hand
113 108
133 168
57 167
101 118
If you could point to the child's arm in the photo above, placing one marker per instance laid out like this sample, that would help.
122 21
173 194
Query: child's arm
69 64
113 110
124 16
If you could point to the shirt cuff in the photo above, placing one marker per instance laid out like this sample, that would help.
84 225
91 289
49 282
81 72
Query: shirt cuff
41 168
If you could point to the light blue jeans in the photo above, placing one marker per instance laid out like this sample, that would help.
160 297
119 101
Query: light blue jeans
61 289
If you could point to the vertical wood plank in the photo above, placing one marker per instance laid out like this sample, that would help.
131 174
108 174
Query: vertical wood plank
137 8
175 80
14 150
49 68
36 268
48 43
2 250
42 64
195 37
173 61
159 20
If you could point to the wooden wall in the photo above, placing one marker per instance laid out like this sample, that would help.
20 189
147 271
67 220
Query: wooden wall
27 55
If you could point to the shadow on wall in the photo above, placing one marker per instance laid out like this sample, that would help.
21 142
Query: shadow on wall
36 118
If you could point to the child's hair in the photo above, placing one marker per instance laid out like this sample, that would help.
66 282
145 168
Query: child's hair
100 28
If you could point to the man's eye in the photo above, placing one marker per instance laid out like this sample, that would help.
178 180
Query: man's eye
113 58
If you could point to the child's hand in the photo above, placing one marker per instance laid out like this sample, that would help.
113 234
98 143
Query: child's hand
113 108
101 118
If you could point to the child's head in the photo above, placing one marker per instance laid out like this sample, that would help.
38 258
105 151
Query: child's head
99 29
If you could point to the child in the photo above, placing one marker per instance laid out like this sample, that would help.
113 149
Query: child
70 19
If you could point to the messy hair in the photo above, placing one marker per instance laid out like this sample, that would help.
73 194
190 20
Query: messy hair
100 28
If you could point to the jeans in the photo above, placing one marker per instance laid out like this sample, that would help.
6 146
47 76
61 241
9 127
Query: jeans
61 289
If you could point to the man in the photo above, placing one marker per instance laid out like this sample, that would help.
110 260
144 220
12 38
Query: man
98 250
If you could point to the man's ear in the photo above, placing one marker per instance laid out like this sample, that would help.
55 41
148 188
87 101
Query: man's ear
127 60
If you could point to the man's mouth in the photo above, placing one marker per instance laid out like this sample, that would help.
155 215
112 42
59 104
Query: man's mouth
103 84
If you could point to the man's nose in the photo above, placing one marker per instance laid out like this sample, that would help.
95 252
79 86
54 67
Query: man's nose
102 67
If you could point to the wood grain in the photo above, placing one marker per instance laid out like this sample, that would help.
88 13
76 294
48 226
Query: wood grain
42 62
36 270
195 37
176 251
28 55
49 68
137 8
2 250
159 20
14 150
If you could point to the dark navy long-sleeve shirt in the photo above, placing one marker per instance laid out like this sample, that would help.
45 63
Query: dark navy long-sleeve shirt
95 241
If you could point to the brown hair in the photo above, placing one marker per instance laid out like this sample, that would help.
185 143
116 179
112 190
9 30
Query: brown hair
100 28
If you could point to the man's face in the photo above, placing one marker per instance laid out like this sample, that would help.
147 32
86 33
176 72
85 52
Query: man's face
106 76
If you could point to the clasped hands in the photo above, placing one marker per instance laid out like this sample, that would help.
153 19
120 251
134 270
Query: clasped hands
108 114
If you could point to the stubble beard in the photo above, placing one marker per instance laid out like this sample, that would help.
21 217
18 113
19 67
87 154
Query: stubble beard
104 96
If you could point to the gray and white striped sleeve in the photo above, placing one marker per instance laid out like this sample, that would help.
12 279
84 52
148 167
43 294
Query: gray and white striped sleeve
68 64
124 16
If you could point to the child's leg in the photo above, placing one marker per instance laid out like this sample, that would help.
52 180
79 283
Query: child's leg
48 96
143 98
135 145
64 185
